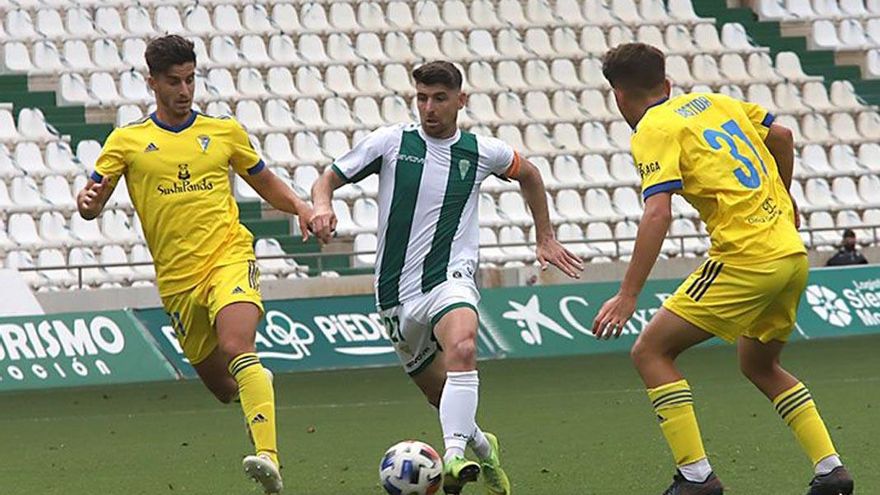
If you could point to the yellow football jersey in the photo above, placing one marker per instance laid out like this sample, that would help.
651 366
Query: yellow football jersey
710 148
179 182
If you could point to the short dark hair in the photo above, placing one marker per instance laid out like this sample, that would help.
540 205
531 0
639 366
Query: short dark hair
444 73
848 233
169 50
634 67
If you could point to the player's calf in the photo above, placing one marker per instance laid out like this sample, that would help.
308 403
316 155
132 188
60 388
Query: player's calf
225 393
214 374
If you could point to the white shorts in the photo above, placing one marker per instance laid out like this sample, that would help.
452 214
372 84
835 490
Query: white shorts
410 325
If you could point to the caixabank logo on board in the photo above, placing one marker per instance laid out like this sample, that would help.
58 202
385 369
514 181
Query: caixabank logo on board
861 301
557 320
575 315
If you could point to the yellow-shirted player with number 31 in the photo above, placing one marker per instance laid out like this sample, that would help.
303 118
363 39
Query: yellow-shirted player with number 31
176 167
734 165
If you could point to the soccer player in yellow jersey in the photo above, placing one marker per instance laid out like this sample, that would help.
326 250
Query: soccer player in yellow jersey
176 167
734 165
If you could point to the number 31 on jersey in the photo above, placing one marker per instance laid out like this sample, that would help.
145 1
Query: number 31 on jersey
749 177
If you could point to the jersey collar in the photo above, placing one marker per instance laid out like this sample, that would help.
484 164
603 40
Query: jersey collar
652 105
447 141
173 128
658 102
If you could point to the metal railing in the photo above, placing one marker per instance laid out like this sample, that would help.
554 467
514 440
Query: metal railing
302 263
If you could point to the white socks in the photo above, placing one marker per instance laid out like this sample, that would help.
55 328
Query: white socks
458 411
480 445
697 472
828 464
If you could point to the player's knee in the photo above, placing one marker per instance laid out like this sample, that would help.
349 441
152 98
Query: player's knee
646 352
234 348
639 353
463 352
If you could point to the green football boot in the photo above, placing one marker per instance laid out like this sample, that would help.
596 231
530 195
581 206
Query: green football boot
494 476
458 471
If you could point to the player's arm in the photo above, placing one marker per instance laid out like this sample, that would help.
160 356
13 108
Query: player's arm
323 221
549 250
246 162
653 227
778 138
780 142
280 196
649 240
109 166
365 159
658 156
91 199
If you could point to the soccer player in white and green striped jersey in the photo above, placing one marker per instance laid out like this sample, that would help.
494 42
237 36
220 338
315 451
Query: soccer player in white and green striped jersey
427 253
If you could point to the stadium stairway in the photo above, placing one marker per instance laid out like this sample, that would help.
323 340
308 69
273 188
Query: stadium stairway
66 120
769 34
279 228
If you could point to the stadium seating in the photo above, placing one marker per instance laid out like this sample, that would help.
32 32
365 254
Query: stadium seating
309 79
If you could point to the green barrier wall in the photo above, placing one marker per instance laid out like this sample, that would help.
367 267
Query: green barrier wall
305 334
556 320
76 349
346 332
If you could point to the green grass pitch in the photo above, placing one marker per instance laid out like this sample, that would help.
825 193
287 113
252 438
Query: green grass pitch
572 426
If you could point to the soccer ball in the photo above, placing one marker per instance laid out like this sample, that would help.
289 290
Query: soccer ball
411 468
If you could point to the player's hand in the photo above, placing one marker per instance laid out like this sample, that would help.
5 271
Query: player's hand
304 213
323 223
613 316
797 213
92 198
551 252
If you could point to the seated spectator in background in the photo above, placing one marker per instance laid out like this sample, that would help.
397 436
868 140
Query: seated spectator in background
848 254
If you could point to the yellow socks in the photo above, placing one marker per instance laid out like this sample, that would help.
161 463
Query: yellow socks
799 412
674 405
257 402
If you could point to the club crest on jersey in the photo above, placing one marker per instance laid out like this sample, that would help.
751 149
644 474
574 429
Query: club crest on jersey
151 147
463 167
183 172
204 141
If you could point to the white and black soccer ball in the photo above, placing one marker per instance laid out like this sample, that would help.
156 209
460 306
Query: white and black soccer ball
411 468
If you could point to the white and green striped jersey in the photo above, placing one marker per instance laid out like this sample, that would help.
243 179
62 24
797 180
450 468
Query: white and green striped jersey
428 204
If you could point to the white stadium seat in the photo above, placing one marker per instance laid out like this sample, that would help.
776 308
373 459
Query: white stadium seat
309 79
365 244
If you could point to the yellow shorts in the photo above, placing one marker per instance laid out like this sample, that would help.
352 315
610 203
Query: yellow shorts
192 313
758 301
